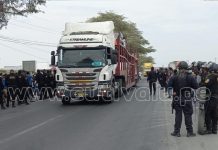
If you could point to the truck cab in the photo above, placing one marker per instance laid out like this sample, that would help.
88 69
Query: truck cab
86 61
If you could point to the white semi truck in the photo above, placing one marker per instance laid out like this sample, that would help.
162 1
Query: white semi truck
92 62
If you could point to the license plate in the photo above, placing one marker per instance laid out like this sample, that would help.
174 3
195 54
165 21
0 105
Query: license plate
80 94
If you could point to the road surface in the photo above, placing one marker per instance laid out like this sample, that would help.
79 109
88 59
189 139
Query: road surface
131 123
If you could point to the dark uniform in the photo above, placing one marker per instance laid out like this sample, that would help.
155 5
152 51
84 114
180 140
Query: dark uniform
51 85
152 79
11 83
1 94
40 79
22 86
183 85
203 75
211 106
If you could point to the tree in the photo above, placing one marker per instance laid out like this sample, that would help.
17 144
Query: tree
10 8
135 40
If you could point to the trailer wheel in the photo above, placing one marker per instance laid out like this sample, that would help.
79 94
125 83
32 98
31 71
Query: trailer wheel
65 100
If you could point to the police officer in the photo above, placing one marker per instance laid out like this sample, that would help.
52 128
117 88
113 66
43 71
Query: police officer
183 84
51 84
46 83
11 84
152 79
29 79
211 105
22 86
1 92
204 73
40 80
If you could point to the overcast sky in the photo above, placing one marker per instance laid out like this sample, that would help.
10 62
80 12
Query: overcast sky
178 29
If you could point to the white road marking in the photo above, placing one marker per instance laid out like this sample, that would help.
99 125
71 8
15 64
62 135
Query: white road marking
29 129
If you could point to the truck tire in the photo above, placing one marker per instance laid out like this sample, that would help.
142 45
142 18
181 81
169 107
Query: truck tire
110 99
65 100
201 120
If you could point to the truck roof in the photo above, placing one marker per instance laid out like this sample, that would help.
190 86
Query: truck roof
95 27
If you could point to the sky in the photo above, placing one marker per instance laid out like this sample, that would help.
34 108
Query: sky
177 29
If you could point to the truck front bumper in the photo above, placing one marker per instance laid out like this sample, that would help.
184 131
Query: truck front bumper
81 93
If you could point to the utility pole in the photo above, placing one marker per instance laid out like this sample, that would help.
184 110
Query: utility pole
215 59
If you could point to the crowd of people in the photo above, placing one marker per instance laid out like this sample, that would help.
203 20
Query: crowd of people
22 87
162 75
180 83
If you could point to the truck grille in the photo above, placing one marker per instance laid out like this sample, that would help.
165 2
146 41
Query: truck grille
80 74
81 80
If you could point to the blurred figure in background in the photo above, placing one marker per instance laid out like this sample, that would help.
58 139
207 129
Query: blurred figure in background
169 82
152 79
51 84
40 80
11 84
23 88
29 79
1 92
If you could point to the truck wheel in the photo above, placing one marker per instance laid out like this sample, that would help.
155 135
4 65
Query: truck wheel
201 120
110 99
65 100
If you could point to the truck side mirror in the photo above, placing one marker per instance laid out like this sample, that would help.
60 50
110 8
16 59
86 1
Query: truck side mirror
53 58
52 52
108 52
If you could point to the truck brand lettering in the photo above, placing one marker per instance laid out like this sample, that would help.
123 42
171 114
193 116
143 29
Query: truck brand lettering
81 39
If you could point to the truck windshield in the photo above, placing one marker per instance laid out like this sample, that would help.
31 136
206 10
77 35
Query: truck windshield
72 58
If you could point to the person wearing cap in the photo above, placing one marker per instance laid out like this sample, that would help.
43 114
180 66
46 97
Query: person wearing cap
211 105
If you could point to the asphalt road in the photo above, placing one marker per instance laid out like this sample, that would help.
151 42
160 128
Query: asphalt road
131 123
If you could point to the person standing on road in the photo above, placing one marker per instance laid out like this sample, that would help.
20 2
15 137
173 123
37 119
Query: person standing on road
1 92
29 79
160 77
165 78
22 86
152 79
183 85
170 90
211 106
11 84
204 74
50 84
46 83
40 80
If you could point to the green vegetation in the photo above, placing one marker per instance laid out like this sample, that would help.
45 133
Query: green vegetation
10 8
135 41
